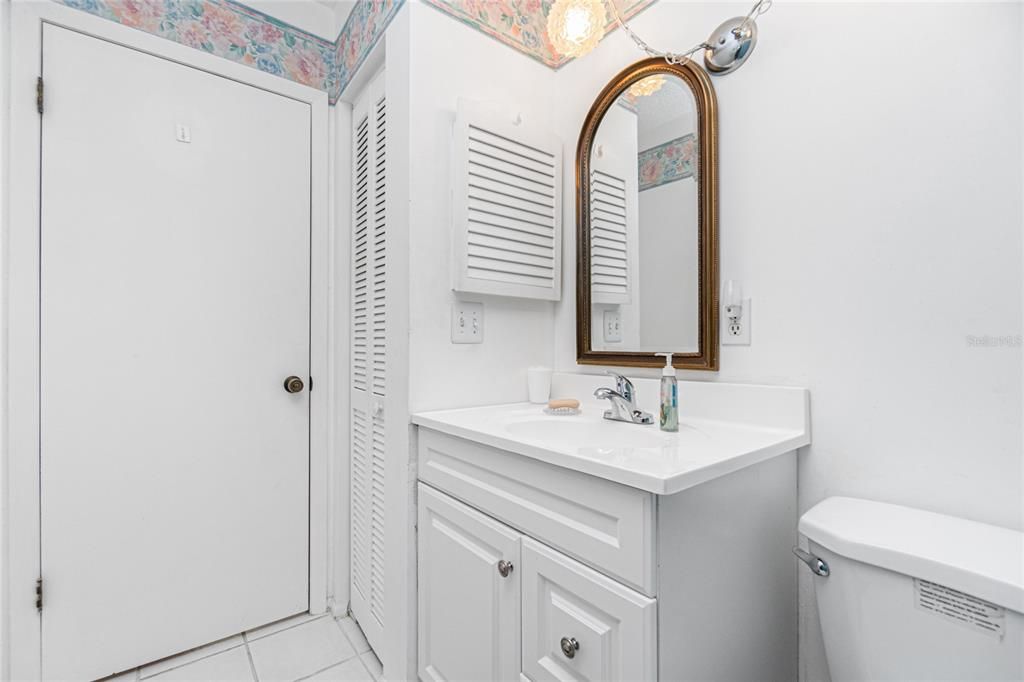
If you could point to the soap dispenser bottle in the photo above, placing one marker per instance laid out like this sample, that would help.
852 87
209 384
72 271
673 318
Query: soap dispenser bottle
669 413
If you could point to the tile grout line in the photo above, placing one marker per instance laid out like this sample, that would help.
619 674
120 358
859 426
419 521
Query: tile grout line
248 655
138 671
332 665
359 655
276 632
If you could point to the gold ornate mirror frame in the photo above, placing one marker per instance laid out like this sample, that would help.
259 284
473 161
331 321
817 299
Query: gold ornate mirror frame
706 357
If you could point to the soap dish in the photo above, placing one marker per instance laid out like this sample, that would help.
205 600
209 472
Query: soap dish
563 407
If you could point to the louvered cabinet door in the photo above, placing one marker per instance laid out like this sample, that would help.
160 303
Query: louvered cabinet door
369 357
508 224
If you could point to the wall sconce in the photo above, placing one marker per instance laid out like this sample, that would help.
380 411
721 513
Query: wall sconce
725 50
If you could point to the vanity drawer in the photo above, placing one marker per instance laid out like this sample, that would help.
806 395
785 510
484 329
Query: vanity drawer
601 523
581 625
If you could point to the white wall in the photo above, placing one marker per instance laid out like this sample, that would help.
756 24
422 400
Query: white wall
5 47
669 305
450 61
340 305
871 206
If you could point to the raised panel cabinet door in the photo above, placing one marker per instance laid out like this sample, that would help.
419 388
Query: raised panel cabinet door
469 607
581 625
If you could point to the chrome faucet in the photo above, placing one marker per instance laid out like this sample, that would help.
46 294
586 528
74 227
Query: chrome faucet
623 401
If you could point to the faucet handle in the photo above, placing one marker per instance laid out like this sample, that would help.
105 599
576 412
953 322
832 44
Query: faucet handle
623 385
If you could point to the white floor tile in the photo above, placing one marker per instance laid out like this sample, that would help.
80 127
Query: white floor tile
300 651
282 624
190 656
372 664
228 666
351 670
354 634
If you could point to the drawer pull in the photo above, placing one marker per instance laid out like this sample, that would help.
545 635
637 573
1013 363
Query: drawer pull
570 646
505 568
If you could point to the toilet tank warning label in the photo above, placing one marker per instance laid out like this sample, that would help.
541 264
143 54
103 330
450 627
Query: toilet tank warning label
959 607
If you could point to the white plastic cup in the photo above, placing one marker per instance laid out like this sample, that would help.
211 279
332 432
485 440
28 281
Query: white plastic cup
539 383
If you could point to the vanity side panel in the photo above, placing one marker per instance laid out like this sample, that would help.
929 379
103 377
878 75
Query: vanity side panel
727 597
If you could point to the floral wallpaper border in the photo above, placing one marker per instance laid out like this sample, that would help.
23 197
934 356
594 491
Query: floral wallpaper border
668 162
232 30
522 24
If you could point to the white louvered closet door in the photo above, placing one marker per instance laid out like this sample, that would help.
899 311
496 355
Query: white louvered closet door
369 361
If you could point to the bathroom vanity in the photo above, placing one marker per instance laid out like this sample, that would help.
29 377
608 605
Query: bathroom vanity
573 547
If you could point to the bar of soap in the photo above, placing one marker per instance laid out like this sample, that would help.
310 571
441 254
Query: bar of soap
571 403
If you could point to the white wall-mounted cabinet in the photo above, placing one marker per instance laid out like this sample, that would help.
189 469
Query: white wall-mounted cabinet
507 184
607 582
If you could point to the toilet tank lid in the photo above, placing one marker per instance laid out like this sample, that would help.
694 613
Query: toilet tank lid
981 560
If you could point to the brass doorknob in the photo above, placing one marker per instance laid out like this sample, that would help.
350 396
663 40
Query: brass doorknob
293 385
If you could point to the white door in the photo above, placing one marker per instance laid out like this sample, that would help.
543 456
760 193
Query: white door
174 303
369 357
581 625
469 579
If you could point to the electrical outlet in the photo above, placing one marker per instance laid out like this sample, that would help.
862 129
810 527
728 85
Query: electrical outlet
612 326
736 332
467 322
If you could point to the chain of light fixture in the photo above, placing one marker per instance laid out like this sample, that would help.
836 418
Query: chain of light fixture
726 50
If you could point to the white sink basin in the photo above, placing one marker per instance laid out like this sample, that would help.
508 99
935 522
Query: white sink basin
587 434
722 428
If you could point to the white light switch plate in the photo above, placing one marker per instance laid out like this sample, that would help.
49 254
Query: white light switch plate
467 322
612 326
739 334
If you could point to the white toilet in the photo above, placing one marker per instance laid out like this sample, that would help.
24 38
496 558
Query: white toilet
905 594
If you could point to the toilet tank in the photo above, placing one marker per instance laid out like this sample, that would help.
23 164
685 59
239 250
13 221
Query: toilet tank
913 595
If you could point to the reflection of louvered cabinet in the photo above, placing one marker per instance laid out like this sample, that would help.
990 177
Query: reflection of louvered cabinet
368 361
610 274
507 203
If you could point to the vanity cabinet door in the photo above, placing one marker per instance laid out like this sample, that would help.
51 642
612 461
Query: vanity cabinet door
469 592
581 625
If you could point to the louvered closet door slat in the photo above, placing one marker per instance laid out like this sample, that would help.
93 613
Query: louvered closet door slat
369 358
380 251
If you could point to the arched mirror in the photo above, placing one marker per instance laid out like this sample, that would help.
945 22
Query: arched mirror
647 220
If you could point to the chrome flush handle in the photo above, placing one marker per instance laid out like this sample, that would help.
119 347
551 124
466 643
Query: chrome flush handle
817 566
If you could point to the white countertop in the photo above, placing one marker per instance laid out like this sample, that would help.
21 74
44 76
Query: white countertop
768 421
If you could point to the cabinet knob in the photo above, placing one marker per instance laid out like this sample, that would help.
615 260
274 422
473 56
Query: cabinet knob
293 384
570 646
505 568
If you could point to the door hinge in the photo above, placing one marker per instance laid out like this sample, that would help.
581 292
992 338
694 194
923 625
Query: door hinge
311 384
39 594
39 94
